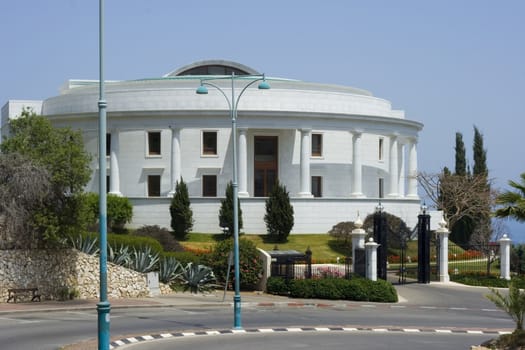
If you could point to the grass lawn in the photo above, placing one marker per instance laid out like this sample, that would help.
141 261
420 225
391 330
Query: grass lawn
324 248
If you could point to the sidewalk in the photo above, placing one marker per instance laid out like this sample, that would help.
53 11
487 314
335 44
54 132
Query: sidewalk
249 299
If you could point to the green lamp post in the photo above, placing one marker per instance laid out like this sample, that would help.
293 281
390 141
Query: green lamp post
233 102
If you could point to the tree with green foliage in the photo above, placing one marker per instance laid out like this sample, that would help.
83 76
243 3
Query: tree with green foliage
226 211
461 158
279 213
512 203
397 229
61 152
180 211
119 211
482 224
479 154
513 303
465 198
250 263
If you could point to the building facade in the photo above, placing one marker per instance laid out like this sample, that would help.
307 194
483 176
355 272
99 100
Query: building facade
338 150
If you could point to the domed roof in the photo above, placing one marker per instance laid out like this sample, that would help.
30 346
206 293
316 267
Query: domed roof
213 67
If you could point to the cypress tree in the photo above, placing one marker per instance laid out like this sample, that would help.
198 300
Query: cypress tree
180 211
226 210
480 154
483 224
279 213
461 161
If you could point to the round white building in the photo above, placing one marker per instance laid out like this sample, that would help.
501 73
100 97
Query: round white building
337 149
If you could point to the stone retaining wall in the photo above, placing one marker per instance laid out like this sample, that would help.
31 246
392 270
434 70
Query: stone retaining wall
51 271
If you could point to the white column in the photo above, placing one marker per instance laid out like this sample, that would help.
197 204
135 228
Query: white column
443 232
358 239
371 259
114 175
305 181
401 157
243 164
357 166
504 256
412 169
394 169
175 166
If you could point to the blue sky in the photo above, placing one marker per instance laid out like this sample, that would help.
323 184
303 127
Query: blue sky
448 64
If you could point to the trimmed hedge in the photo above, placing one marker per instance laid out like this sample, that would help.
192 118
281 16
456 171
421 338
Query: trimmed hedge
356 289
137 242
481 279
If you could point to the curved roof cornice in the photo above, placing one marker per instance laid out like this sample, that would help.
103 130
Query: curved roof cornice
225 63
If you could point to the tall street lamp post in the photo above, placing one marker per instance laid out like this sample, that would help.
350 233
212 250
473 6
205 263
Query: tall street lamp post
103 307
232 105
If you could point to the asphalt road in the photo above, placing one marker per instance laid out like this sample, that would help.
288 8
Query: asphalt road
429 307
325 341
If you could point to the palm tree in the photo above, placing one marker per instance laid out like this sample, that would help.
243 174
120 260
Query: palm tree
513 303
512 202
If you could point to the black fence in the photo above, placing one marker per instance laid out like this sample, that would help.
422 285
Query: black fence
474 258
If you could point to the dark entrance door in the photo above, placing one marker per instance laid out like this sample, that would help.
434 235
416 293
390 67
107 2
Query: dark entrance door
265 164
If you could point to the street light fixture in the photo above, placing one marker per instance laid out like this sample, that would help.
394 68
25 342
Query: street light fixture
233 103
103 307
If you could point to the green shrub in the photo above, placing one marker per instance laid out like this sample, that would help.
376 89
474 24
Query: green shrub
119 211
67 293
134 242
250 265
277 286
357 289
163 235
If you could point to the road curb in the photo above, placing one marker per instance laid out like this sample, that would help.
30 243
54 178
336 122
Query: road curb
349 329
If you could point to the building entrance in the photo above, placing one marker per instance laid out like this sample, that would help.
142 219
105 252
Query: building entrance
265 164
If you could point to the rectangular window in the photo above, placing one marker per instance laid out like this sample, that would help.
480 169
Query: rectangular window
317 145
209 143
381 188
154 143
108 145
153 185
317 189
108 182
209 185
381 146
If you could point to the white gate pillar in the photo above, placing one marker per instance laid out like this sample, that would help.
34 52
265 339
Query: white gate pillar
504 255
371 259
358 239
443 232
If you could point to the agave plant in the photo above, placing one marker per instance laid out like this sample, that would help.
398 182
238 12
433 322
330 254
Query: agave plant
119 255
170 270
198 278
85 244
144 260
